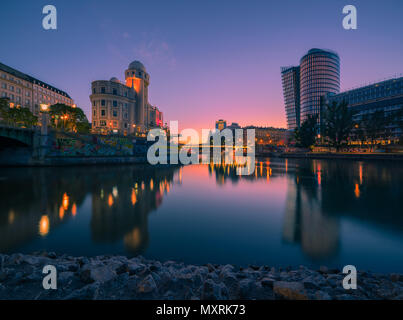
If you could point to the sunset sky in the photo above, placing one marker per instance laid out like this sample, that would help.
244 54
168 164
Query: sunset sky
206 59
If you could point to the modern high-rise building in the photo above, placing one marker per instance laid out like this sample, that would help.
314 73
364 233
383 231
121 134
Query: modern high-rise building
123 107
319 75
26 91
290 79
385 96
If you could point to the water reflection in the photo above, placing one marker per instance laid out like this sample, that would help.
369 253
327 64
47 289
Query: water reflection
288 211
37 201
321 193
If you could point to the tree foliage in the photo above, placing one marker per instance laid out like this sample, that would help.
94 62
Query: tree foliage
19 116
305 135
69 118
337 123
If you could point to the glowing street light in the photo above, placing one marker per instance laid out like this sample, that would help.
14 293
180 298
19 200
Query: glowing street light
44 107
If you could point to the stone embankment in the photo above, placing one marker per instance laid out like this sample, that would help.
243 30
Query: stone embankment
119 277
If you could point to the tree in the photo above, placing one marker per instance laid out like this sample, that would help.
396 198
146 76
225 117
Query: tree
17 115
374 125
337 122
69 118
305 135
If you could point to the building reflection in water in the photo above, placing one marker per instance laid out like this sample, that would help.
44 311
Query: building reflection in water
320 193
38 200
124 214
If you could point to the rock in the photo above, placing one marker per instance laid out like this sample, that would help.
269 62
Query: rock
136 268
310 283
211 290
90 291
321 295
147 285
97 273
268 282
65 277
323 269
290 290
210 267
52 255
3 276
232 284
395 277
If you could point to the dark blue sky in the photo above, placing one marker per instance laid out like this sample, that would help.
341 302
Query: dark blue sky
206 59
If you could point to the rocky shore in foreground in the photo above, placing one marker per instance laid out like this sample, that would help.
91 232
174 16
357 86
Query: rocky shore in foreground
118 277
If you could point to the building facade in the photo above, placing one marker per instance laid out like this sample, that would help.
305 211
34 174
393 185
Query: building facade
26 91
319 75
123 108
385 96
268 135
290 77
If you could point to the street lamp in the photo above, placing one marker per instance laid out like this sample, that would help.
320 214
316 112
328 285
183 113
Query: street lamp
44 108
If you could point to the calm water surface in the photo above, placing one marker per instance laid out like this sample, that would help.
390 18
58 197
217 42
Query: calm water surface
290 212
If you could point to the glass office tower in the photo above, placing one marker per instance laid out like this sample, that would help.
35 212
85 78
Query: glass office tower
319 75
290 79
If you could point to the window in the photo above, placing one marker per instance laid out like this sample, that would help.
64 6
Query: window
115 103
95 113
102 102
102 123
102 90
102 112
95 123
94 91
115 113
115 92
11 88
94 103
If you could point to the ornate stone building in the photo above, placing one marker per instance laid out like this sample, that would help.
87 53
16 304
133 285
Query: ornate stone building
123 108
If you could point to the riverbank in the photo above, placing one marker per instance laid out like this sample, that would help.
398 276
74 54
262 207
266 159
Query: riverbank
118 277
345 156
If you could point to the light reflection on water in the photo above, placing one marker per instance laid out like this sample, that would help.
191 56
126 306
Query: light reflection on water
289 212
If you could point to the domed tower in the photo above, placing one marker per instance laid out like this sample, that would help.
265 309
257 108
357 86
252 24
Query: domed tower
137 78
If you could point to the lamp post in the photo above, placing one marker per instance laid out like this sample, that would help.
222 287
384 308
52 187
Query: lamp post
44 109
44 118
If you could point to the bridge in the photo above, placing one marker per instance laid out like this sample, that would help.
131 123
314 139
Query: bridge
15 136
25 146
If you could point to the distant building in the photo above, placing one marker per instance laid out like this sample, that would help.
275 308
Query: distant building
234 126
123 107
269 135
290 77
26 91
220 124
386 96
319 75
